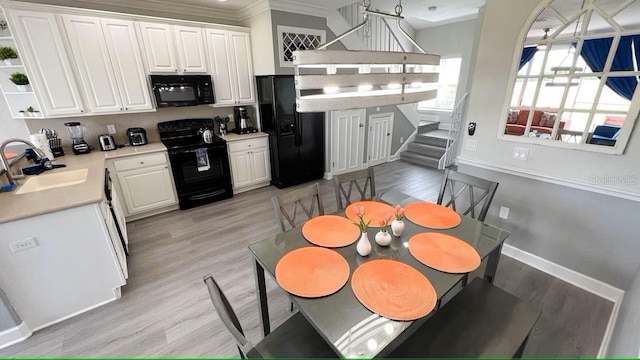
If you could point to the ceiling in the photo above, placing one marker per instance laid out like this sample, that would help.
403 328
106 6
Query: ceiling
415 11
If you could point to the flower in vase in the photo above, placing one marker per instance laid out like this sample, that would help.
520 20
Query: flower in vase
399 213
359 212
384 222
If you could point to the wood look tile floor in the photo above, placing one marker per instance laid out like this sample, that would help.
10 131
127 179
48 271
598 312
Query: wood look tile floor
165 310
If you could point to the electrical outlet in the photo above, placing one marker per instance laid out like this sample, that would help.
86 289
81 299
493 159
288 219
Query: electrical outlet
401 139
21 245
111 129
504 212
471 145
520 153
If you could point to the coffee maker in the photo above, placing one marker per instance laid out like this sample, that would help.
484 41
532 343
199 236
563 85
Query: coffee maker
243 121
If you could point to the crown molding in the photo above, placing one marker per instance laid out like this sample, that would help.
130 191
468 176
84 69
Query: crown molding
304 8
254 9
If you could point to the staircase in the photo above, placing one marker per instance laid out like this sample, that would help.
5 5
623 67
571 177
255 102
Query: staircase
429 146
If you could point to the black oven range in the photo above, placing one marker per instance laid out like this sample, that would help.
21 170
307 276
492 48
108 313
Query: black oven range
200 169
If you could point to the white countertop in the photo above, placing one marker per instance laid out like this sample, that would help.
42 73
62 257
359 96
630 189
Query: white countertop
14 206
235 137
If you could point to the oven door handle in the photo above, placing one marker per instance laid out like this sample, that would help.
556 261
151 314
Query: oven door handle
171 152
207 195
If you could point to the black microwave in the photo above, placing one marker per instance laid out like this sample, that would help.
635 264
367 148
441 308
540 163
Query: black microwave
182 90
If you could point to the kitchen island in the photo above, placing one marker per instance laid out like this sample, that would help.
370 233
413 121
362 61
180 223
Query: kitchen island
59 253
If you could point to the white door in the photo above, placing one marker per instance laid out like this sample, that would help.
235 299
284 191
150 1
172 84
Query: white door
191 49
243 69
147 188
260 165
347 140
221 71
124 51
240 168
379 138
48 64
89 49
158 46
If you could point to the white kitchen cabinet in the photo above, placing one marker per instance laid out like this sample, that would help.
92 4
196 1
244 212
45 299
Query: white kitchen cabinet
107 57
158 45
191 49
42 50
249 162
145 182
174 49
231 67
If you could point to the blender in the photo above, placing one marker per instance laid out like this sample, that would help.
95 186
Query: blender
76 131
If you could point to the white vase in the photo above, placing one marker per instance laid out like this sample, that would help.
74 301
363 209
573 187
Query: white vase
397 227
7 62
23 88
364 246
383 238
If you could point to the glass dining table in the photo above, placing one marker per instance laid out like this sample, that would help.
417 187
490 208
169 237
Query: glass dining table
348 326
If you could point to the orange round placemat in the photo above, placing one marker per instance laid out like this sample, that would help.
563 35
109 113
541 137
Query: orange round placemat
393 289
312 272
373 210
330 231
432 215
444 252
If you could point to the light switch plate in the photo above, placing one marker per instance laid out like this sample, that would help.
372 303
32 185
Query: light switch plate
21 245
504 212
111 129
471 145
520 153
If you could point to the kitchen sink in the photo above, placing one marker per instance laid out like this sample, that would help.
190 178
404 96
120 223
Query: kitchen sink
50 181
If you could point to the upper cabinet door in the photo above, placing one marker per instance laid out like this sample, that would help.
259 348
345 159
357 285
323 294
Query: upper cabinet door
42 48
124 51
243 70
191 49
159 48
90 52
221 66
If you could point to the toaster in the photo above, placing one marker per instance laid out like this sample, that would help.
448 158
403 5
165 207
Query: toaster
137 136
106 142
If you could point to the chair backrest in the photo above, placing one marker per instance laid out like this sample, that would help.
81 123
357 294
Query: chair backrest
360 180
480 192
227 315
305 199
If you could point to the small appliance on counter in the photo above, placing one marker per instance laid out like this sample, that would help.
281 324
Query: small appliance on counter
243 121
76 131
222 124
137 136
106 142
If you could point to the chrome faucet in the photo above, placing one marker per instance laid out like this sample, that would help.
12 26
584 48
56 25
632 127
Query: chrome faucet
10 176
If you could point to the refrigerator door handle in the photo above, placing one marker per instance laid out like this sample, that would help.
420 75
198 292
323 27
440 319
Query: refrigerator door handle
297 128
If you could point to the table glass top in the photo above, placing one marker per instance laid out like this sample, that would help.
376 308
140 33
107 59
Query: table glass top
340 318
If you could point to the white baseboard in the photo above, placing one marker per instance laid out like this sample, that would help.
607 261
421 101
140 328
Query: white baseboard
14 335
328 176
404 146
582 281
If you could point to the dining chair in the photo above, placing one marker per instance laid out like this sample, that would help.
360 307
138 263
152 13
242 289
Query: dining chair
295 338
360 180
480 192
304 200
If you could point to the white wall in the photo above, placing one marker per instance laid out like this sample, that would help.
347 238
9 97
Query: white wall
498 45
9 127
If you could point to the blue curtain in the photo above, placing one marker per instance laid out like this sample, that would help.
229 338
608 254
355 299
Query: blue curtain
527 55
595 52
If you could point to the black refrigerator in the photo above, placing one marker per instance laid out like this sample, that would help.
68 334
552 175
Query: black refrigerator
296 140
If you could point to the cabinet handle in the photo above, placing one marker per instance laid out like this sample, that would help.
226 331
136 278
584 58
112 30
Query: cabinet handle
185 70
120 109
81 111
126 108
176 70
141 162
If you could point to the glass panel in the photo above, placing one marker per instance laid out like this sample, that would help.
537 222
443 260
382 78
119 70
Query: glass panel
537 61
529 90
582 95
610 100
572 126
598 24
604 130
551 93
560 59
567 8
517 91
546 19
609 6
629 18
573 29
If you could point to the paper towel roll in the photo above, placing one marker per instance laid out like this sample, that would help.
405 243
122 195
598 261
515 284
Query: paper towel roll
42 143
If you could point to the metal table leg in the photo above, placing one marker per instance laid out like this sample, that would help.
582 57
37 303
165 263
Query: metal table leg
492 264
261 291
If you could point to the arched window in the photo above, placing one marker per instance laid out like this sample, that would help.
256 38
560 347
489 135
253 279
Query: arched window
576 84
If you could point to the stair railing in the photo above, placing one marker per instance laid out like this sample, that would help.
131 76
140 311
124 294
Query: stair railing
376 34
454 133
